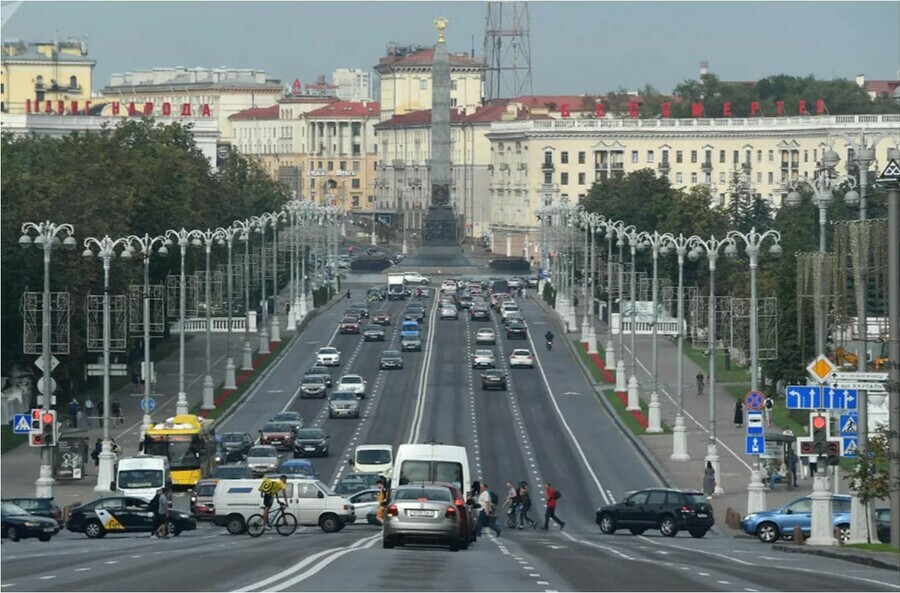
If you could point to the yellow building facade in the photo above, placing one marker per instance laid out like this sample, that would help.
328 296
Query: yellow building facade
542 162
32 73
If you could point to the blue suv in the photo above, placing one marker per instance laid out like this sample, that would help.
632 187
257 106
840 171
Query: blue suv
770 526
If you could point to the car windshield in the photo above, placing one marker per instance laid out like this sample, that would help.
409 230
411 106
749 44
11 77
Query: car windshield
390 354
231 472
262 452
310 433
373 327
314 379
325 488
342 396
485 332
484 353
328 351
349 380
696 498
318 371
13 509
521 353
206 489
296 469
287 417
373 456
232 437
439 494
494 373
277 427
349 320
140 478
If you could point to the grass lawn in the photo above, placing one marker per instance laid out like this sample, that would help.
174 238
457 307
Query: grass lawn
736 374
242 388
874 547
595 372
10 440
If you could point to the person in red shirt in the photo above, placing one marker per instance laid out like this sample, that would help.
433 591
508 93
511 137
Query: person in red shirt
550 513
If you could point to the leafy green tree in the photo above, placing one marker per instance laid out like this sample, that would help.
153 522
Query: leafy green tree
870 478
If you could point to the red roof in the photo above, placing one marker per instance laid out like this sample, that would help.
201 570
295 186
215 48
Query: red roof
347 109
552 102
882 87
485 114
425 57
257 113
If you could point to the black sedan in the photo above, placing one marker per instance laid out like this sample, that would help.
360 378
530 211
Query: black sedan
480 313
42 507
493 379
373 332
320 370
665 509
19 523
123 514
516 330
309 442
391 359
235 445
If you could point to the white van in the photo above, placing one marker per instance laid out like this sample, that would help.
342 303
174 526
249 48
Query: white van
431 462
373 459
311 501
141 476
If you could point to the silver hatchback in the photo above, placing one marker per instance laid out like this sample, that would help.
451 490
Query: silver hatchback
343 403
426 513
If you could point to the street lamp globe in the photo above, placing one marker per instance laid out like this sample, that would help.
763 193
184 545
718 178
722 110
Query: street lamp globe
830 159
775 250
793 198
731 250
664 250
126 253
163 251
851 198
695 253
25 241
69 243
87 253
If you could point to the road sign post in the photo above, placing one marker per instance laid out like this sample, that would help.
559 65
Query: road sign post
755 423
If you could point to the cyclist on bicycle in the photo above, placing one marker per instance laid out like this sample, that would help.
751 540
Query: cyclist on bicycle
270 489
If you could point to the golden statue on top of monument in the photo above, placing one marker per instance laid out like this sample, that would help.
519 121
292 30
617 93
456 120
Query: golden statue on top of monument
440 24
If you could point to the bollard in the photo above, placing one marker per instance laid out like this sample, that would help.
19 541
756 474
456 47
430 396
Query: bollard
798 536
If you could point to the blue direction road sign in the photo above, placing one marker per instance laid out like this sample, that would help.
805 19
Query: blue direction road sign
804 397
838 398
149 402
849 447
754 423
756 445
754 400
22 423
849 425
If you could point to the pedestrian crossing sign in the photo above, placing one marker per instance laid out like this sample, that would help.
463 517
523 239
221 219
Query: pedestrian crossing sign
22 424
849 425
849 447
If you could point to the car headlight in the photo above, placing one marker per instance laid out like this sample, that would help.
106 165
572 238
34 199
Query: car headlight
749 517
32 524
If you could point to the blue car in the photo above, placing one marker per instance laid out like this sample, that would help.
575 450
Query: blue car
301 468
770 526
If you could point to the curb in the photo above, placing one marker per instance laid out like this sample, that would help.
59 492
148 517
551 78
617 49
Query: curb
610 411
849 557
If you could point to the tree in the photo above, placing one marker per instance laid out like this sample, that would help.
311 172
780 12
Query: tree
870 478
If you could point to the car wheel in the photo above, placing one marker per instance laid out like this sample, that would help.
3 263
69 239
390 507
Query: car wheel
45 538
387 543
844 531
330 415
698 533
330 523
454 545
768 533
607 523
668 527
12 532
636 531
464 543
423 282
235 524
172 529
94 530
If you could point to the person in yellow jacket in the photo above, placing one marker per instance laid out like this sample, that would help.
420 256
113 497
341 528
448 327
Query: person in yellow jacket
382 500
270 489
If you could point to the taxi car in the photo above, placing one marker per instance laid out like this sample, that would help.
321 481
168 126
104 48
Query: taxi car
123 514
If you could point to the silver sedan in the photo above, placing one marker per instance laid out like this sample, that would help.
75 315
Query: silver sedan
423 512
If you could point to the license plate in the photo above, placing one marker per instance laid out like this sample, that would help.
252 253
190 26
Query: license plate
49 530
701 515
415 513
308 448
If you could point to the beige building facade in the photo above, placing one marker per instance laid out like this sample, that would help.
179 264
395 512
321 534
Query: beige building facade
33 73
542 162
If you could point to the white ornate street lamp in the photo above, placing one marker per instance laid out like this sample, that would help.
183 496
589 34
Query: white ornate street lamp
227 237
246 228
260 223
207 239
183 239
658 243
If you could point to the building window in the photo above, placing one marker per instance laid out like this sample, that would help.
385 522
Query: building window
564 158
771 156
693 156
679 157
452 85
707 178
453 102
354 183
564 179
747 156
679 178
735 157
581 179
758 156
721 156
355 200
73 82
331 165
805 156
634 156
649 156
694 177
758 177
665 156
423 84
707 157
581 157
343 165
771 178
548 157
356 165
721 177
548 178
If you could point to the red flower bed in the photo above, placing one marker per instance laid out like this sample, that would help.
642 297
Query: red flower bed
224 394
601 365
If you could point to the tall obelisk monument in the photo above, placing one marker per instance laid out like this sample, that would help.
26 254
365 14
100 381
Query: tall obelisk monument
440 224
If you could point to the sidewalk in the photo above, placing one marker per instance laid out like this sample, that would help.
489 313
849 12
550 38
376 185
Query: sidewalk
20 466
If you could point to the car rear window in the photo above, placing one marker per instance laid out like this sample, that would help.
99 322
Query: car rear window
262 452
351 380
206 489
696 499
440 494
343 396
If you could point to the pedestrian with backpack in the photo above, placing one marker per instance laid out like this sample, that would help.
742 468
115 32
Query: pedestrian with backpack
553 495
525 506
487 517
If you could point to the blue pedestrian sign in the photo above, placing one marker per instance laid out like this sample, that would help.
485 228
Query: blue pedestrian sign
755 423
149 402
803 397
849 447
22 424
756 445
849 425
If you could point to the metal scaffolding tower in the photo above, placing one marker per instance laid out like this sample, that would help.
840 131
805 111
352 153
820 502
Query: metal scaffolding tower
507 50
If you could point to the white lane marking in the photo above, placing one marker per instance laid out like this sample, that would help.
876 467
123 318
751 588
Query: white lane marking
749 589
8 585
264 584
562 419
703 574
723 556
48 577
535 575
542 582
724 582
318 567
112 561
275 391
618 553
419 414
83 569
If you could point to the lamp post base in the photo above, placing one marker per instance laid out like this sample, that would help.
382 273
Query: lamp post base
620 376
822 528
291 320
572 319
146 421
374 239
276 329
679 441
263 341
208 403
181 406
585 329
404 249
106 469
654 422
712 456
634 401
304 308
229 374
43 486
756 491
592 340
610 356
299 315
247 362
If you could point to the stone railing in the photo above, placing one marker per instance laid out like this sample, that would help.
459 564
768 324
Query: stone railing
644 326
196 325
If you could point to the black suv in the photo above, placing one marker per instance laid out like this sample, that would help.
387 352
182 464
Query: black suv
516 329
659 508
493 379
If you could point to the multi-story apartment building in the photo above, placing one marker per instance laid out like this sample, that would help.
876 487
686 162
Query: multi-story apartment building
353 84
33 73
405 80
225 90
545 161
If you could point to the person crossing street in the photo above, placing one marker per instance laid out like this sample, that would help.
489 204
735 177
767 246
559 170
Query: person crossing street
553 496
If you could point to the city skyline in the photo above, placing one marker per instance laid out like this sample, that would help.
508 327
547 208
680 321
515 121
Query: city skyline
561 33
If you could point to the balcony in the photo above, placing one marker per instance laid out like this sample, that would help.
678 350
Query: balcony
547 166
706 166
664 167
608 166
746 167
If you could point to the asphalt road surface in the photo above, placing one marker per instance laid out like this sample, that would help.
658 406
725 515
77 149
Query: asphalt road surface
548 426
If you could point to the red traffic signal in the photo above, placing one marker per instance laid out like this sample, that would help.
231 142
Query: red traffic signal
806 448
47 418
819 422
834 448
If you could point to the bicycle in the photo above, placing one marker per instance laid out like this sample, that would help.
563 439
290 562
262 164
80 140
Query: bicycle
284 523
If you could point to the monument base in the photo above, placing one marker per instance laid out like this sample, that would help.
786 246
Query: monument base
440 241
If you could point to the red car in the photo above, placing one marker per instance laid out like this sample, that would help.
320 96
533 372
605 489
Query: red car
202 499
278 434
349 325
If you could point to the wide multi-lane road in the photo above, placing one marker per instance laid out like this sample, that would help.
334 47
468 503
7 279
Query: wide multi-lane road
549 426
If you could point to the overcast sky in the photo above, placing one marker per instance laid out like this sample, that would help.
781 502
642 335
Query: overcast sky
576 47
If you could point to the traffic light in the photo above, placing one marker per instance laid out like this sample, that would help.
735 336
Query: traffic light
834 452
48 428
820 434
36 435
36 420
